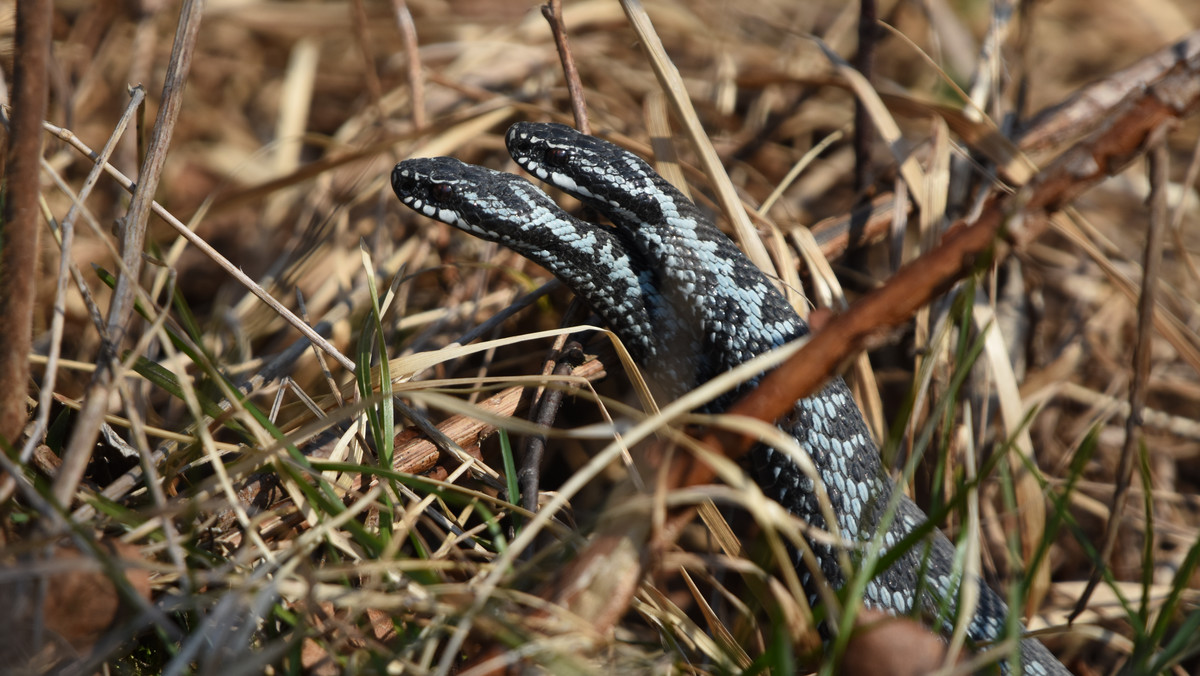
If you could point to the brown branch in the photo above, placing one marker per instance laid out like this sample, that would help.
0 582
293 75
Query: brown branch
1079 114
19 231
553 14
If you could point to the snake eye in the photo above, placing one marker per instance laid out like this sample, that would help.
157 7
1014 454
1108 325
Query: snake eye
442 191
557 156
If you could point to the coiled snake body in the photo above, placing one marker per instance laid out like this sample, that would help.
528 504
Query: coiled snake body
689 305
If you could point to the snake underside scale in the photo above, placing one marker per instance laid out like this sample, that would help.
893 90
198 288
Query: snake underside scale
689 305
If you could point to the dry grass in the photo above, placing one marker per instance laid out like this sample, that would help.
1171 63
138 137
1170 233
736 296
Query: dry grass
247 506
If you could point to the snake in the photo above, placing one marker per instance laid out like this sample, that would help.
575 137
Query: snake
688 305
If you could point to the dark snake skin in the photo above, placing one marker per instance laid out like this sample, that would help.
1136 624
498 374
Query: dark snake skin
689 305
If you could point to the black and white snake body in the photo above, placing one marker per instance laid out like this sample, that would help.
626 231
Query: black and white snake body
688 305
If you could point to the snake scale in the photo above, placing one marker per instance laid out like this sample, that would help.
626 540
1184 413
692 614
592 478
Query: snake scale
689 305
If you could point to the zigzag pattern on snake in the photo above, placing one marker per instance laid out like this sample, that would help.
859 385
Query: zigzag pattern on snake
689 305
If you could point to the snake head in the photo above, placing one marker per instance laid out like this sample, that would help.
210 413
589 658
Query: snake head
431 186
602 174
480 201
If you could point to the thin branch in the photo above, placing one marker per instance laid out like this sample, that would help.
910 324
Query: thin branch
553 14
1151 262
545 413
1045 136
359 14
19 231
412 53
864 131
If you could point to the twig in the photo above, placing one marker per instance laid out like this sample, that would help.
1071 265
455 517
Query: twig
359 14
553 14
412 53
1044 136
1151 261
19 231
502 316
864 134
329 380
546 411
